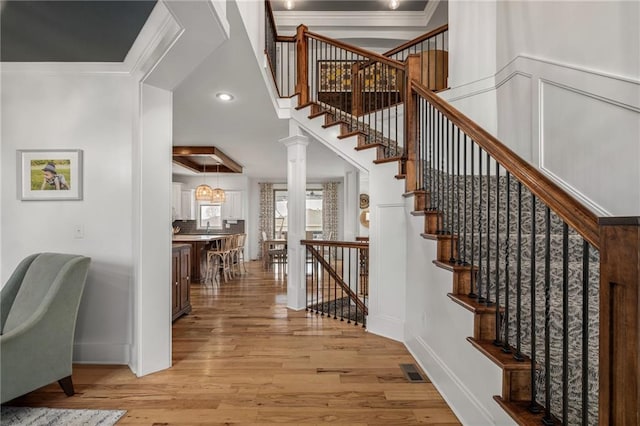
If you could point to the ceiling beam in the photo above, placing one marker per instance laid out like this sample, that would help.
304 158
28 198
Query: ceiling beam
182 153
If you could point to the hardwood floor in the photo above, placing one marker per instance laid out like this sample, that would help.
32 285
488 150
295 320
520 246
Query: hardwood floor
241 357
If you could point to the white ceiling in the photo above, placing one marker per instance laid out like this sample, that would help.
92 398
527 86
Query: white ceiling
247 129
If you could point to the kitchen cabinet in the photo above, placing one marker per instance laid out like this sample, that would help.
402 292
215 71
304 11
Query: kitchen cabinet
180 280
176 201
183 202
188 204
232 206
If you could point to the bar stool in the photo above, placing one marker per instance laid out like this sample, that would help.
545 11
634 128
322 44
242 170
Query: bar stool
227 261
237 254
216 260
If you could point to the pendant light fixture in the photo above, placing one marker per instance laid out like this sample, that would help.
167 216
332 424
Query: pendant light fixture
217 194
204 191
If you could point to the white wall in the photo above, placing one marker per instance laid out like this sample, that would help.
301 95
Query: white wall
561 95
387 252
436 330
92 112
252 13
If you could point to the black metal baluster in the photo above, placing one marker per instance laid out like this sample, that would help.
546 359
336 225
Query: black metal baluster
306 288
518 354
585 332
381 107
472 293
497 340
334 104
506 348
461 242
547 419
335 289
451 180
375 104
481 297
450 176
533 407
355 321
395 96
432 149
565 323
441 205
488 300
318 285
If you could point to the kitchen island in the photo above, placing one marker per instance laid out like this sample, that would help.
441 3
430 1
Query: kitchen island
199 243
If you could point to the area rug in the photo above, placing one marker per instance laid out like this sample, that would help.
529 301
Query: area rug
25 416
342 308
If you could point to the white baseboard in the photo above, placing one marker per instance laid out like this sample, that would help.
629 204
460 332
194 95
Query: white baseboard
101 353
390 328
463 403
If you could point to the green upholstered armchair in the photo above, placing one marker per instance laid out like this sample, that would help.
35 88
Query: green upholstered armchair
38 310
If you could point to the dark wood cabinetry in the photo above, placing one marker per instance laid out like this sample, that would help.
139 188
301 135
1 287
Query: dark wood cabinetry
180 280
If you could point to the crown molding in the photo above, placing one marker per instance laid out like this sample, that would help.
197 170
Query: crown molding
287 19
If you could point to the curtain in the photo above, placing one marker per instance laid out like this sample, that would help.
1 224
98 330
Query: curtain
330 211
266 212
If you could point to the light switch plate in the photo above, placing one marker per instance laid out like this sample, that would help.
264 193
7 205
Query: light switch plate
78 232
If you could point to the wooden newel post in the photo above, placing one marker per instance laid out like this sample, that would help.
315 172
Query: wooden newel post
619 321
302 83
412 71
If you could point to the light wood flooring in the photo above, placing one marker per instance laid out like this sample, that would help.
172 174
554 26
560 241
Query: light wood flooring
242 358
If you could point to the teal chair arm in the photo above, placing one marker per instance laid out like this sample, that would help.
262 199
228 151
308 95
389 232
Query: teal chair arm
10 289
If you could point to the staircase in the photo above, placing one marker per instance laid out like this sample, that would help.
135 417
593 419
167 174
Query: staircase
555 304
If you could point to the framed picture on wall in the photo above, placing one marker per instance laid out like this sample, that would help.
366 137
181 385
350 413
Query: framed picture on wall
49 175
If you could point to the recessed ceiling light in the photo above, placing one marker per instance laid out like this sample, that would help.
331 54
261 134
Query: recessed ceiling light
394 4
289 4
223 96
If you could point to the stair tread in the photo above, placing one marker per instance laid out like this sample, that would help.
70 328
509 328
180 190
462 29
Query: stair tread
368 146
438 236
454 267
317 114
305 105
472 304
334 123
501 359
387 160
352 133
418 213
400 176
519 411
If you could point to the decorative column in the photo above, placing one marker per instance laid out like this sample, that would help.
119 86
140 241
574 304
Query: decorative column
351 203
296 207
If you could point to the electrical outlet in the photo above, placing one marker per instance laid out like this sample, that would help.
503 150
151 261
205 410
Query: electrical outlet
78 232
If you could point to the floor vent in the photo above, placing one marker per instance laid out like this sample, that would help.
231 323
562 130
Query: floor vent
412 373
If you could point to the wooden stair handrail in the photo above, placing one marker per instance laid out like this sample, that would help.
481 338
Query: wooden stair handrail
345 287
574 213
358 50
332 243
417 40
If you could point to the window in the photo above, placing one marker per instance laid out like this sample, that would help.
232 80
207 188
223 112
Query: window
313 213
210 216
